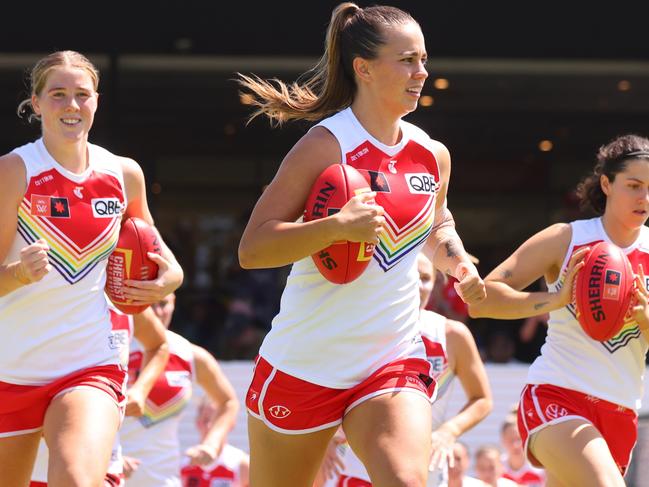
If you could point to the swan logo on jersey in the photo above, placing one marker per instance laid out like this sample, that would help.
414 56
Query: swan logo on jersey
378 182
554 411
279 412
40 205
106 207
421 183
50 206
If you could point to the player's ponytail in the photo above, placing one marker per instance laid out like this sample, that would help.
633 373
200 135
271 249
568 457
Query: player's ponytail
612 159
330 85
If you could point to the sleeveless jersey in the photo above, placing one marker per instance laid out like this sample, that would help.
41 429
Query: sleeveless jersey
153 438
611 370
122 331
60 324
223 472
358 327
433 332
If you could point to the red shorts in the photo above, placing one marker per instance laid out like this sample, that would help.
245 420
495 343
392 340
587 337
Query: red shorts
345 481
544 404
294 406
22 408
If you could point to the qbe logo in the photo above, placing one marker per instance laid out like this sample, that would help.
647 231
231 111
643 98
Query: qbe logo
437 364
106 207
421 183
178 378
118 339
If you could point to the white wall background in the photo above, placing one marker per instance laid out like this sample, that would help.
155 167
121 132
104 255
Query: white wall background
507 381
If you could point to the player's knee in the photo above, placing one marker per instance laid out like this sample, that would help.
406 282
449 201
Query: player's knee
410 479
86 481
74 476
403 477
608 478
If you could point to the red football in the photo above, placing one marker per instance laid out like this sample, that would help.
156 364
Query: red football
603 291
129 260
341 262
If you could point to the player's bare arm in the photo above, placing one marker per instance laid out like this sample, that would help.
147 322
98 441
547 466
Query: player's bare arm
150 333
541 255
218 388
444 246
33 263
170 275
272 237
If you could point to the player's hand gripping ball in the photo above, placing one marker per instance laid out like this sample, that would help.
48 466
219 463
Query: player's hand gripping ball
341 262
129 260
603 291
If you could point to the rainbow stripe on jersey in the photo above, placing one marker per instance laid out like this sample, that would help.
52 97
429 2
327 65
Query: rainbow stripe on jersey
629 330
444 380
63 213
396 242
406 186
171 391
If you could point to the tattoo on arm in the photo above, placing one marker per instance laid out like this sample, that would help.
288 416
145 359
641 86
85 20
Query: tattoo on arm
507 274
451 248
538 306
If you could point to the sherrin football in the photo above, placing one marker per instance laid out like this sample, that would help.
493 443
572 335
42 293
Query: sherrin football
129 260
341 262
603 291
